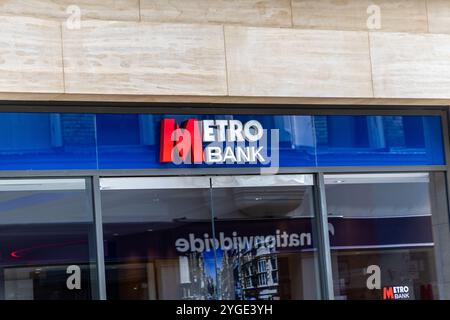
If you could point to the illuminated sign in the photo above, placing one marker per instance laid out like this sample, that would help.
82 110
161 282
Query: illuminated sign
213 142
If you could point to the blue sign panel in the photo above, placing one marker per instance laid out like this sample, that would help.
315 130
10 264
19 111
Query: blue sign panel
57 141
44 141
378 140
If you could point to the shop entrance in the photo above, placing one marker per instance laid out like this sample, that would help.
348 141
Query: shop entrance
233 237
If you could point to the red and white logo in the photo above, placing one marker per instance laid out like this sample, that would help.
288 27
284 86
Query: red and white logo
213 142
396 293
177 142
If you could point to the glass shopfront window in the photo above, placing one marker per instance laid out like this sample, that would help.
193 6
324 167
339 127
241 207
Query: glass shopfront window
176 238
47 240
156 238
396 224
272 217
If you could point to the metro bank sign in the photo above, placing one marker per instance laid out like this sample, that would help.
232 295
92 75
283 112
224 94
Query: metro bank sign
216 142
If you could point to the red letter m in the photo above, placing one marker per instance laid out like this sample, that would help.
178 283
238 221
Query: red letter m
178 143
388 293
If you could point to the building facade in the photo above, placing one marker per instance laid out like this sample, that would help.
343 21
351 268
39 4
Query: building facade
212 149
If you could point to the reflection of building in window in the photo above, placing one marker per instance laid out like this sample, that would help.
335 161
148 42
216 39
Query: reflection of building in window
262 266
225 276
257 273
262 279
295 132
373 132
195 283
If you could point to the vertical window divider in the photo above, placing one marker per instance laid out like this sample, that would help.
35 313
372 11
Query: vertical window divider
326 273
218 290
445 118
101 275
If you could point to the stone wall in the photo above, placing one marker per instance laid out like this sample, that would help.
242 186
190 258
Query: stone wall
242 49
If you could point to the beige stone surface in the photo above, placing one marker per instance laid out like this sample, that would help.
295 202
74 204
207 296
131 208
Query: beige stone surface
253 102
145 58
243 12
396 15
293 62
410 65
58 9
30 55
439 16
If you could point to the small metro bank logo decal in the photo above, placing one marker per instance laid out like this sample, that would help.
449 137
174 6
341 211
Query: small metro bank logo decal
396 293
218 142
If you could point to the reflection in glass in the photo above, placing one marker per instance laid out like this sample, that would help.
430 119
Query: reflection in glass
351 140
68 141
161 241
397 222
46 225
266 233
47 141
156 233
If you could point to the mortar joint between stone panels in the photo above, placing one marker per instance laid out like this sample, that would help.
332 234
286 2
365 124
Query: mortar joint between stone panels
371 63
427 16
292 13
226 59
62 56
